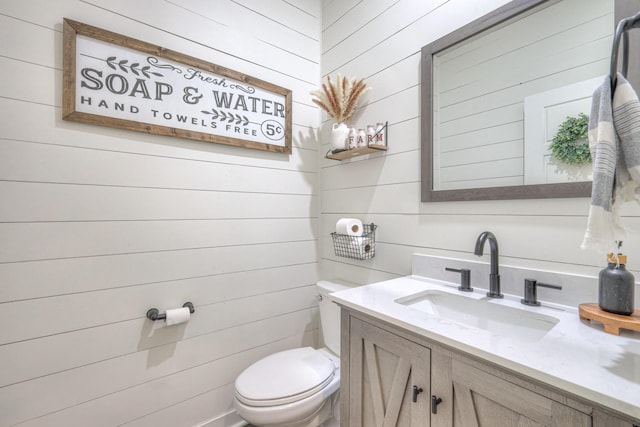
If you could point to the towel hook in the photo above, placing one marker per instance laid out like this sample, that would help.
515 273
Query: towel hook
624 25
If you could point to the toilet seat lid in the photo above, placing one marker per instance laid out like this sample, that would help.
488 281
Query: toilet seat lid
284 377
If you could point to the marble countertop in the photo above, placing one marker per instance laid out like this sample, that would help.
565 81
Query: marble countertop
575 355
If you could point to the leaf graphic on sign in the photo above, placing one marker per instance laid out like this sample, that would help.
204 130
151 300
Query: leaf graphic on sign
133 68
122 63
228 117
110 60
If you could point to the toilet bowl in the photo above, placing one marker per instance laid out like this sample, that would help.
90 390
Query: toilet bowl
297 387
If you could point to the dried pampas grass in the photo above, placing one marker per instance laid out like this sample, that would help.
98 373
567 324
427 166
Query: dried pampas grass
339 98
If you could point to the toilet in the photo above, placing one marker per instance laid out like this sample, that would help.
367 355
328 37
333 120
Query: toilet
298 387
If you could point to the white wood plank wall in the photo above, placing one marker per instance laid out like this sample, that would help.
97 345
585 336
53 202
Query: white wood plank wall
98 225
380 41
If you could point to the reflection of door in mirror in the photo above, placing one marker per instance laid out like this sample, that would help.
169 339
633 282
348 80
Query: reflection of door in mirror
544 113
480 86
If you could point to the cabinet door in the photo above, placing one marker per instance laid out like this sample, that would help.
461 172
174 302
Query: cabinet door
600 419
383 370
483 400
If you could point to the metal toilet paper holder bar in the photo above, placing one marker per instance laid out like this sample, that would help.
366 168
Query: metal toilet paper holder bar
154 313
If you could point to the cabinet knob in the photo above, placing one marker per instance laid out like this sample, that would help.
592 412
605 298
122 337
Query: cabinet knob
435 401
416 391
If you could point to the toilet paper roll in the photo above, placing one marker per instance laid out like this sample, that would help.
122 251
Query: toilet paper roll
178 315
349 226
361 246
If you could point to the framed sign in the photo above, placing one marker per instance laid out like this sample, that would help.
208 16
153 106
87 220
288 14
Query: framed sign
117 81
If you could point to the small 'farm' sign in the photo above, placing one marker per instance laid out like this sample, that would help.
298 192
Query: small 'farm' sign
117 81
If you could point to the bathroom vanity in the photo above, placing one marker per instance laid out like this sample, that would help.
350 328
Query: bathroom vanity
419 352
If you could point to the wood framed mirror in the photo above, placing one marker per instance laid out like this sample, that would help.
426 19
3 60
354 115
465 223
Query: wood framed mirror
476 82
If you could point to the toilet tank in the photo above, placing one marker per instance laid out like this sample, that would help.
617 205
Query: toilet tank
330 313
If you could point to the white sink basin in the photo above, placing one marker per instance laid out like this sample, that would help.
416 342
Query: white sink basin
482 313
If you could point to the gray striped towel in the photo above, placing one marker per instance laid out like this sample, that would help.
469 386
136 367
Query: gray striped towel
614 141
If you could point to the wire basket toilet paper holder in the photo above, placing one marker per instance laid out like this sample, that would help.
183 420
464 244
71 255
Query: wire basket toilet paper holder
356 247
154 314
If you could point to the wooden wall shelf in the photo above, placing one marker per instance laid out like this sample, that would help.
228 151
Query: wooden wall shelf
347 154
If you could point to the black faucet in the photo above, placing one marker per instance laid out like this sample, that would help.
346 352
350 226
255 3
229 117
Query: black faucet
494 277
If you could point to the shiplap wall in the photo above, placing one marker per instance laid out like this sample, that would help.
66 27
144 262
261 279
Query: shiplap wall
380 40
98 225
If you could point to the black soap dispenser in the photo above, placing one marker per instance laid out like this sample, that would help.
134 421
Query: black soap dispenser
616 285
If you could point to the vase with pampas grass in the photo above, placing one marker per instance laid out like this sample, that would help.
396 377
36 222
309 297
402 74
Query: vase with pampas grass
339 99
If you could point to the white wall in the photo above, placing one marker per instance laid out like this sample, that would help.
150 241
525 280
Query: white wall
98 224
380 41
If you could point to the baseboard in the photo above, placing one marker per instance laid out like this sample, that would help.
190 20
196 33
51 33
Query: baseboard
230 419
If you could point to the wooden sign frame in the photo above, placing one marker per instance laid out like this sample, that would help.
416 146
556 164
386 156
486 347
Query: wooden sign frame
117 81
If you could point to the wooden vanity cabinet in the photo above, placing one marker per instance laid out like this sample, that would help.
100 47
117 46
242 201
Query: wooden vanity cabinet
602 419
391 377
480 399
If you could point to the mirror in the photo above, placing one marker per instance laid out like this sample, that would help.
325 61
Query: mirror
495 91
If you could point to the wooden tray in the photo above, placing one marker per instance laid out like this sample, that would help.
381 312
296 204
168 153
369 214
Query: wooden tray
612 322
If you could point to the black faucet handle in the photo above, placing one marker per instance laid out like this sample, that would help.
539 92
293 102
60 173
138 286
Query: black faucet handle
531 291
465 278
